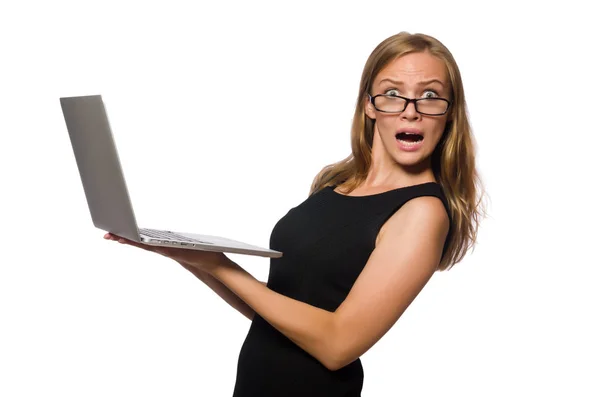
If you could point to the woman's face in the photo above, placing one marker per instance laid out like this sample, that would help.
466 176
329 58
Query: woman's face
414 75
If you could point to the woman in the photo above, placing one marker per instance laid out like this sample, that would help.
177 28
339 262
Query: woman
372 232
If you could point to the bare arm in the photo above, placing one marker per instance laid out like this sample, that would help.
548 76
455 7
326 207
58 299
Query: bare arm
225 293
392 277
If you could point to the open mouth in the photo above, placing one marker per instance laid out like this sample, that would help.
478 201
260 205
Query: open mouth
408 137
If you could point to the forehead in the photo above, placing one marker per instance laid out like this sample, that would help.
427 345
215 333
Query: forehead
413 68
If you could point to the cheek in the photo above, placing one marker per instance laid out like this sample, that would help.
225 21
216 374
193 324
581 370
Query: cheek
437 131
386 124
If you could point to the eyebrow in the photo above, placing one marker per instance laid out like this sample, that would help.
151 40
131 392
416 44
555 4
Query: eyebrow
424 82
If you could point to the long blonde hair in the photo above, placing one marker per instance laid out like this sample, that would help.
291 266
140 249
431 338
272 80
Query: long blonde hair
453 160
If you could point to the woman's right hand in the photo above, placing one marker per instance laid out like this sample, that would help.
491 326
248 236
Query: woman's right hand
195 271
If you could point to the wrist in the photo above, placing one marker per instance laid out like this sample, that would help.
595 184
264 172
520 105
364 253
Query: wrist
222 266
194 270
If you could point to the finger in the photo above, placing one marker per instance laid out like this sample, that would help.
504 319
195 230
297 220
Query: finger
163 251
146 247
110 236
131 242
122 240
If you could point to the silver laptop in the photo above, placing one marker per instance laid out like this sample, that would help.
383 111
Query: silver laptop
105 189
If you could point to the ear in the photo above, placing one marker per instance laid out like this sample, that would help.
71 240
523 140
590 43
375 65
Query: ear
450 113
369 109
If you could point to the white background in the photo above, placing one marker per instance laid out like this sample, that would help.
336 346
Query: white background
81 316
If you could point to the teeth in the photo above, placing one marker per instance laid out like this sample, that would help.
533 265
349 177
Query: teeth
409 142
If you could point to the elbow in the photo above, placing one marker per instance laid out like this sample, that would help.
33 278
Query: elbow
336 356
336 353
335 362
333 365
338 346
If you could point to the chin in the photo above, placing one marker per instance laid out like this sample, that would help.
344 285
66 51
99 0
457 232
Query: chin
417 159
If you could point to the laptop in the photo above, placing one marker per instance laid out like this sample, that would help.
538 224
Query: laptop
105 189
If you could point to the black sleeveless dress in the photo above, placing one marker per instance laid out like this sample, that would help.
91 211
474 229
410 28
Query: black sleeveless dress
326 241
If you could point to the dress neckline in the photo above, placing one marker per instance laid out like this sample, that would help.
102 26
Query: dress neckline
332 188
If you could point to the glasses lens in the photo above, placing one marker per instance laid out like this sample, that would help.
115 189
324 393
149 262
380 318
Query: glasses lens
389 103
393 104
432 106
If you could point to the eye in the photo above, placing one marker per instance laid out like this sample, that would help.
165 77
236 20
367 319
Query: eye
392 92
435 94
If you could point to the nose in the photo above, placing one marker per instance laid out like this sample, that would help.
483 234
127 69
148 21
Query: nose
410 113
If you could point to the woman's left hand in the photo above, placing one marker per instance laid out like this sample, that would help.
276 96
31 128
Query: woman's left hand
205 261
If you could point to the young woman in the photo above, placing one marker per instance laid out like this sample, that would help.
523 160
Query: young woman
372 232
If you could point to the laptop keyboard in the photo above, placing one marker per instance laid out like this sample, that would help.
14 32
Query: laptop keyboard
167 235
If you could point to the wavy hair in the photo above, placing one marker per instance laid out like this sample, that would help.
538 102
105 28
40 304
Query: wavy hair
452 162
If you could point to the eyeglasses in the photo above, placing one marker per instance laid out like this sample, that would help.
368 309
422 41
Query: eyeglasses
397 104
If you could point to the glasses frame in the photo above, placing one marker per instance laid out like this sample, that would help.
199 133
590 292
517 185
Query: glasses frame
407 101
